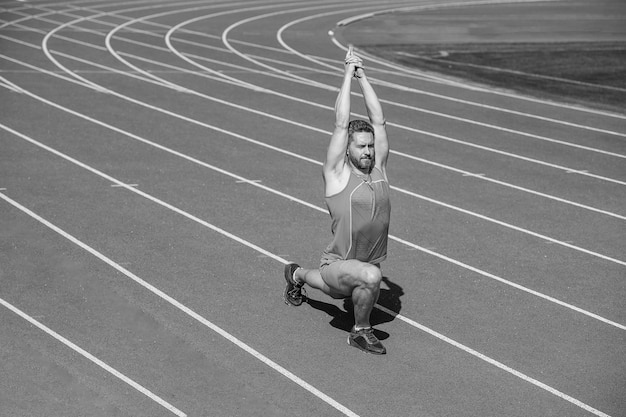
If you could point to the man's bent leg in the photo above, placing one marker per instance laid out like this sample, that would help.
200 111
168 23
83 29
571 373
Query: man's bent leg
364 279
365 295
359 280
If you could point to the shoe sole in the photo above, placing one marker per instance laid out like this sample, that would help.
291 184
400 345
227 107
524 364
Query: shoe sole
288 272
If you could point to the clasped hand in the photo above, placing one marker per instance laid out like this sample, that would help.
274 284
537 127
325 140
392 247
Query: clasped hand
354 64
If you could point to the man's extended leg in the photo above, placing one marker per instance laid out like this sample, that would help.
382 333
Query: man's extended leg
296 277
313 278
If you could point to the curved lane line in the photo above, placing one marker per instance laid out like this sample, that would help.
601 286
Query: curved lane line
441 96
458 141
395 86
294 199
501 223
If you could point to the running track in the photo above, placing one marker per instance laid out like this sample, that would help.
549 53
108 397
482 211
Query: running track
160 162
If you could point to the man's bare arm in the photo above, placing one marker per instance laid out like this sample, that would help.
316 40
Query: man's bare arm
377 119
335 156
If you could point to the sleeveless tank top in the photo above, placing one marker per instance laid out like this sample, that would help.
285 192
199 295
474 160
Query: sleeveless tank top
360 216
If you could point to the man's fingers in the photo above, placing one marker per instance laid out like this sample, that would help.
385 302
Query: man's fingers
354 61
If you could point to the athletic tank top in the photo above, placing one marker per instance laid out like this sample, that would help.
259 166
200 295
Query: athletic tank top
360 220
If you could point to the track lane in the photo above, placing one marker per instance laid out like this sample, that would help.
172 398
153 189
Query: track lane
434 253
560 394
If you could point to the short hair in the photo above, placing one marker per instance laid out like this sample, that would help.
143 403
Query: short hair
359 125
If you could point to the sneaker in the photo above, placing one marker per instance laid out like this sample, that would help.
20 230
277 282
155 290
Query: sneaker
365 340
293 294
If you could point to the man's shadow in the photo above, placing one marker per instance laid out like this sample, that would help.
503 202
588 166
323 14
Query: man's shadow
389 298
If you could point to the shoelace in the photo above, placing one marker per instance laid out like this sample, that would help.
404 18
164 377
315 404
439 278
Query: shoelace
369 335
297 292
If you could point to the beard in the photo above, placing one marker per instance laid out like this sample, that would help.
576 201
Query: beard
364 164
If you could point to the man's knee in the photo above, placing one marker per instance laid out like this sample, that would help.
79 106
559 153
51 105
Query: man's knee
370 276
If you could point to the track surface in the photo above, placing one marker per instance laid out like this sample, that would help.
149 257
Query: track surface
160 162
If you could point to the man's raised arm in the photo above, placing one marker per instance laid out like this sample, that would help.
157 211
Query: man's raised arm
335 156
377 119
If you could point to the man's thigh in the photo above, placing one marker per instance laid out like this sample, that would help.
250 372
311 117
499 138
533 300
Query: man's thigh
343 276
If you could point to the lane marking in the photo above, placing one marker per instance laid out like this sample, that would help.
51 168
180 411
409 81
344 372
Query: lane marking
393 187
505 184
471 213
495 363
9 85
581 172
82 351
298 156
419 109
402 241
418 73
444 97
248 349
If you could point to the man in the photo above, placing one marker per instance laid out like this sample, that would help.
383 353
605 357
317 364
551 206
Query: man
357 196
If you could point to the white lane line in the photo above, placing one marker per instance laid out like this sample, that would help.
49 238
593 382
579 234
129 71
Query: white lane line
201 163
407 192
319 61
413 72
248 349
403 88
495 363
305 203
404 73
391 85
447 138
80 350
9 85
264 252
165 83
509 283
413 194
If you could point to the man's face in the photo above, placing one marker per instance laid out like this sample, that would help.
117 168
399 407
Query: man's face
361 151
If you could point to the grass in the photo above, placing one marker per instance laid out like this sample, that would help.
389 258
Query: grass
592 74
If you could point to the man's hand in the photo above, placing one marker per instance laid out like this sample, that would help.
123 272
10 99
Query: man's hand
359 72
353 64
